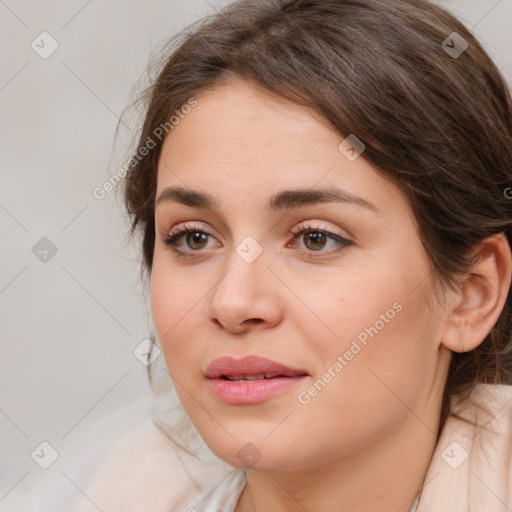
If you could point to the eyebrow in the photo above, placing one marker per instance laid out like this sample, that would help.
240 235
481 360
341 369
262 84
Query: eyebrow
284 200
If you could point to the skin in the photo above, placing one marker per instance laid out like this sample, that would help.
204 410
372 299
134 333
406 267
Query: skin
364 442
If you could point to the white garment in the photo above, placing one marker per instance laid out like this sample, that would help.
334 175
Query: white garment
470 470
223 496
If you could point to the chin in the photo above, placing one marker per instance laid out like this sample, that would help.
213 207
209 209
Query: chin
256 452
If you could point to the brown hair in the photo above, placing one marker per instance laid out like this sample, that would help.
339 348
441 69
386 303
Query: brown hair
437 124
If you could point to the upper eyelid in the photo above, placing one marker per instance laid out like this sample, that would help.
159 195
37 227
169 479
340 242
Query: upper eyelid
298 226
182 228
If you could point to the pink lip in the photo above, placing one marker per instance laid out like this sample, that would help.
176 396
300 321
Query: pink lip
254 391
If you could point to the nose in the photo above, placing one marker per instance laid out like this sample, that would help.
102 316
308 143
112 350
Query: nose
246 296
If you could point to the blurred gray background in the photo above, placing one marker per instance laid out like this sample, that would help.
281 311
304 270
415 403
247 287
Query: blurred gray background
72 309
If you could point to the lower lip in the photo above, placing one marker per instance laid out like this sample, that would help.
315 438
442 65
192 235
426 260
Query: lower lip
251 391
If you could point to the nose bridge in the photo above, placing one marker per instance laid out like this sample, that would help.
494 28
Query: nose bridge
244 273
244 292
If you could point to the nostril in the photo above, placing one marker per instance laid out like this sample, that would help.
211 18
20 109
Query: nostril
253 321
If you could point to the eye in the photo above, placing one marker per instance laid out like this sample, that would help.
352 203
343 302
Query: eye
195 237
316 238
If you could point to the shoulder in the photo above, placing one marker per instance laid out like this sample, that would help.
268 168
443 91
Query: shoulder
472 462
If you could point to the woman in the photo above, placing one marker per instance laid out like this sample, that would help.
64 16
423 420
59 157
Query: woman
321 188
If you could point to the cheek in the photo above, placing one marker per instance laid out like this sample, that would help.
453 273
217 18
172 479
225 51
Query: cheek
380 381
344 307
175 306
380 327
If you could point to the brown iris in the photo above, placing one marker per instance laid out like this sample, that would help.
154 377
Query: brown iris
317 238
196 237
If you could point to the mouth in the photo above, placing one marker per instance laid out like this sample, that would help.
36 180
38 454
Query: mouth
257 376
250 368
250 380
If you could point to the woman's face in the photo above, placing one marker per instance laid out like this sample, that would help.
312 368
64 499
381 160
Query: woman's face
347 304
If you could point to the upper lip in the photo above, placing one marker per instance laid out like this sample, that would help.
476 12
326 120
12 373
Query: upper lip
249 365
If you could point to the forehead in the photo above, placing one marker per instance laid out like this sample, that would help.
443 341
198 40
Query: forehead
239 116
239 136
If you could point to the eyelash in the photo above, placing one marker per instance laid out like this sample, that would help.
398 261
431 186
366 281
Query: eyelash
181 230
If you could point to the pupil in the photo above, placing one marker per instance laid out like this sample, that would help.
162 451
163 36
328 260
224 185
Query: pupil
196 237
316 238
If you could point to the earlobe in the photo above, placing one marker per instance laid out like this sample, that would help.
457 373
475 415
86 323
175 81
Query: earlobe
482 298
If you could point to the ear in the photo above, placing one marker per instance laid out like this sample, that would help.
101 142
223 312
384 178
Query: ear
479 304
